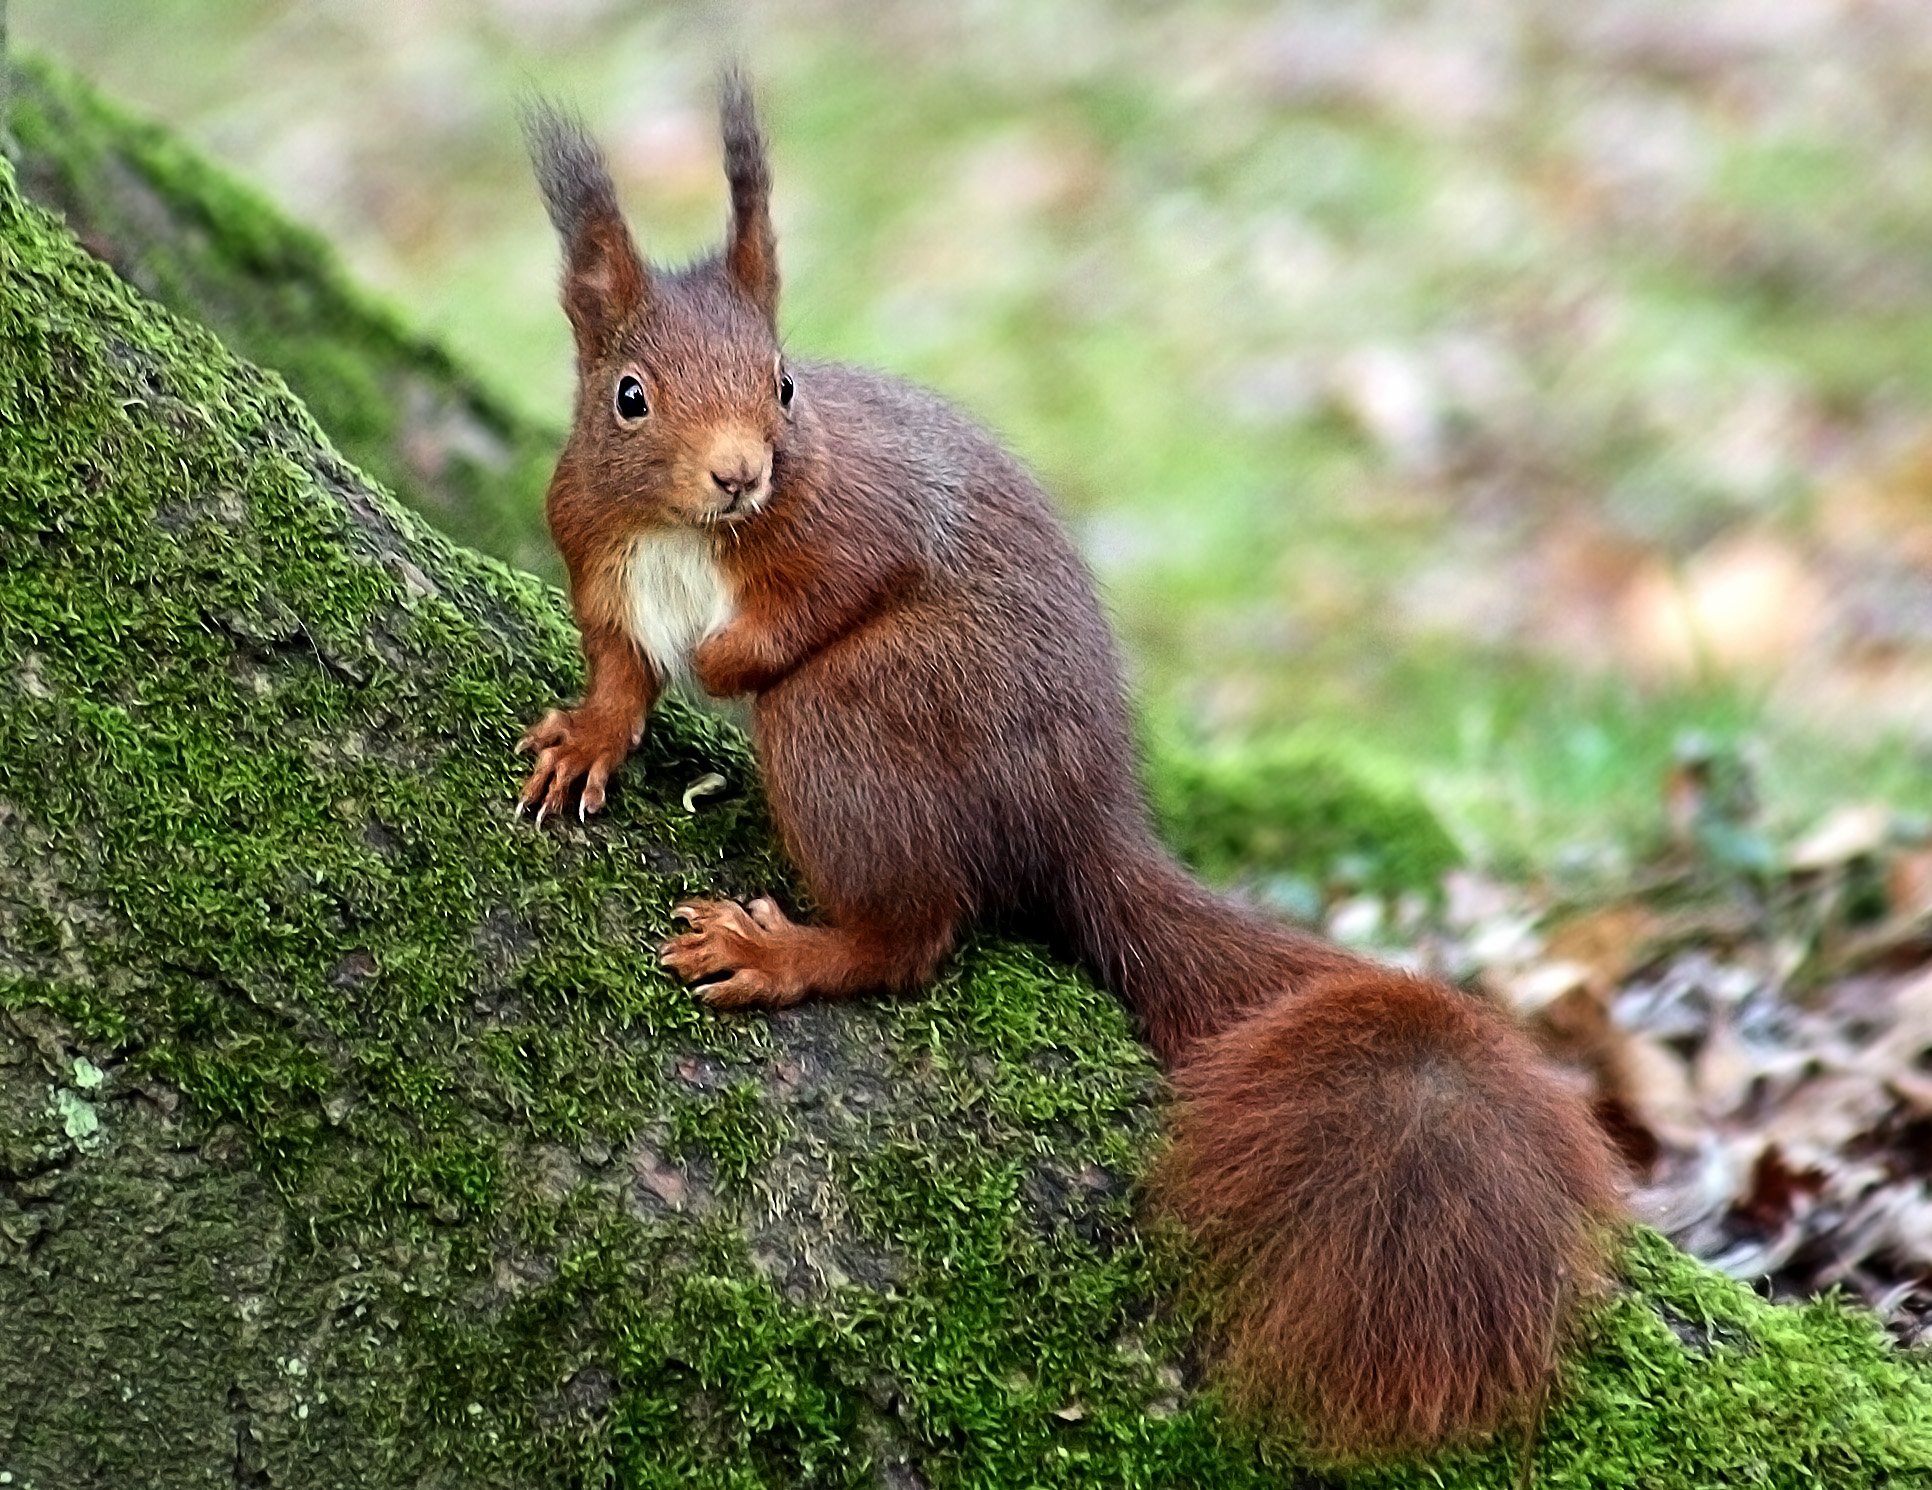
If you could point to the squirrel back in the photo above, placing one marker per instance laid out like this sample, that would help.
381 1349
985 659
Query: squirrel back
1400 1204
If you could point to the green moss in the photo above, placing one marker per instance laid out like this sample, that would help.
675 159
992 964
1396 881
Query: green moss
151 1304
462 1190
1292 809
211 249
260 745
1691 1380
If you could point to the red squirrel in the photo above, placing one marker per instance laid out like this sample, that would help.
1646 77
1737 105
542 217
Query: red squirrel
1402 1207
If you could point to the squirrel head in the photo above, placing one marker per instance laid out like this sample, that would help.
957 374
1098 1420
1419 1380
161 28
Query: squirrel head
684 405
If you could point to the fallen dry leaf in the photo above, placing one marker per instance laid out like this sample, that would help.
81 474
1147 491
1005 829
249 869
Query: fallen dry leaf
1608 943
1908 883
1748 603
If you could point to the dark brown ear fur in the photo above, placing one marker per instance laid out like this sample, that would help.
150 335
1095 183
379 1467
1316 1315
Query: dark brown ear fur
605 281
751 252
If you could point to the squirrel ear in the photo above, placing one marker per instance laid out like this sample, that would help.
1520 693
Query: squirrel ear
605 281
751 254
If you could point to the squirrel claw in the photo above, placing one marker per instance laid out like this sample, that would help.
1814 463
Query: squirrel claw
729 939
572 751
744 989
550 730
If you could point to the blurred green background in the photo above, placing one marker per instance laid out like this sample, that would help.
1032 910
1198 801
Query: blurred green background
1504 389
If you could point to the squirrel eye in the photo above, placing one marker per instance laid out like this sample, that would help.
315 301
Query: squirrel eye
631 405
785 390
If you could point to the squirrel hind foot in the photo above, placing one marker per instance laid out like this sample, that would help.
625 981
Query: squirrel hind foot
770 961
734 955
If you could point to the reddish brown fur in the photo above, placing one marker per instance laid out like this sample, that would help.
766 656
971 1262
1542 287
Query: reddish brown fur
1401 1203
1396 1204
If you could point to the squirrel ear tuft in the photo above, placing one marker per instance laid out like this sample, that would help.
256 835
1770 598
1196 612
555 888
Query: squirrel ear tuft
751 255
605 281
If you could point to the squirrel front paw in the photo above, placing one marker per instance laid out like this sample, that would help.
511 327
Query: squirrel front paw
725 664
573 745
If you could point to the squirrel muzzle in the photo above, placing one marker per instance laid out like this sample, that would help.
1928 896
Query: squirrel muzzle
733 476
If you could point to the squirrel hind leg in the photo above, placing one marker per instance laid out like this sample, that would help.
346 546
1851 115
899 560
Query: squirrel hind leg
754 956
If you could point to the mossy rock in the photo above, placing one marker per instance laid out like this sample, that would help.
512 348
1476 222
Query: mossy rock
213 250
350 1137
1301 811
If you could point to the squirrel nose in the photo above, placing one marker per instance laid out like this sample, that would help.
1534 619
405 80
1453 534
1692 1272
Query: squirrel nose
736 480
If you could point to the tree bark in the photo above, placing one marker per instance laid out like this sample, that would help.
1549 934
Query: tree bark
350 1137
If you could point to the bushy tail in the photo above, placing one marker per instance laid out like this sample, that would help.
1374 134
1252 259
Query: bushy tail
1400 1204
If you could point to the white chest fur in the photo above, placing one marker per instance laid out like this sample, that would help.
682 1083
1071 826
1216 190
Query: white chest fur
677 595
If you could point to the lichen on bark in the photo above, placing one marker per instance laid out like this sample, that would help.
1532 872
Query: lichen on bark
407 1166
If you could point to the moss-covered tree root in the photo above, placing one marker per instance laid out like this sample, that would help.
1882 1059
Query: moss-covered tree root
212 250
